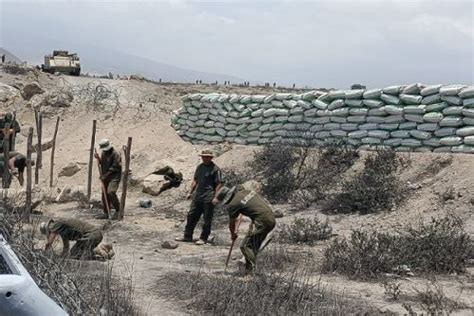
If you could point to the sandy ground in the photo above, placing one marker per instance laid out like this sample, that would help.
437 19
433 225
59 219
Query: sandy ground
137 239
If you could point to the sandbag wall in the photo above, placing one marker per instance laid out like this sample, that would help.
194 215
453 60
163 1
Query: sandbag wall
407 118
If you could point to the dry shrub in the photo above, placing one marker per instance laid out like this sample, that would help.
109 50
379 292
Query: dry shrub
78 288
440 246
291 293
16 69
304 231
375 189
433 301
298 171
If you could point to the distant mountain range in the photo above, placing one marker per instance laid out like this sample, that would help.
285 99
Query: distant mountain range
102 61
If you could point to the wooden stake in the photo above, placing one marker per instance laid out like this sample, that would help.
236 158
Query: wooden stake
91 160
51 170
233 241
6 157
13 133
29 148
39 150
126 151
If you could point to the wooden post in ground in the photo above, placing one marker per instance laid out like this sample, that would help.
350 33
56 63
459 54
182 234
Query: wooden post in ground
29 148
6 156
39 150
51 170
127 150
91 160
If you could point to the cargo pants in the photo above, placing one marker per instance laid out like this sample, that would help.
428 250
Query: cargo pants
253 241
197 209
84 247
112 188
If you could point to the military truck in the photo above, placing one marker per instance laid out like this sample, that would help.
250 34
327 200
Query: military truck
62 61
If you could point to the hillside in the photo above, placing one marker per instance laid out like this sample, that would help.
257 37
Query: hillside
9 57
142 110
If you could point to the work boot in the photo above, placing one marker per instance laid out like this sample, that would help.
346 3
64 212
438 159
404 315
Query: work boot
200 242
183 239
102 216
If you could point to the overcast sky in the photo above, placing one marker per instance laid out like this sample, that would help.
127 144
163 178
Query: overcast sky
319 43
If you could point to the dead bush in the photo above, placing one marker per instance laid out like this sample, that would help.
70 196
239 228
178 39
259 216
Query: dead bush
78 288
440 246
16 69
232 177
375 189
433 301
266 294
304 231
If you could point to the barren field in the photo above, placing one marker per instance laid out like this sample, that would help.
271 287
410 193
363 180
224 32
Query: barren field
142 110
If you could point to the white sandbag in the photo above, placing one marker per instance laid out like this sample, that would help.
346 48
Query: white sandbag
269 98
452 100
338 119
353 142
219 124
414 109
422 135
358 111
391 109
256 120
332 126
221 132
354 103
379 134
310 113
414 118
411 142
215 112
268 134
427 127
469 102
234 98
432 142
264 127
468 121
244 120
208 124
324 113
283 96
377 112
336 94
391 119
199 123
192 110
296 110
263 141
349 127
400 134
338 133
336 104
373 104
190 134
304 104
469 140
251 127
446 131
308 96
356 119
277 104
289 103
375 119
321 120
258 98
393 142
372 94
316 128
276 126
322 134
245 112
451 89
371 140
413 88
369 126
281 119
390 99
453 111
433 117
354 94
393 90
245 99
257 113
451 141
358 134
467 92
451 121
232 133
407 125
465 131
255 133
431 99
436 107
430 90
443 149
411 99
268 120
275 112
341 112
296 97
463 149
389 127
295 118
320 104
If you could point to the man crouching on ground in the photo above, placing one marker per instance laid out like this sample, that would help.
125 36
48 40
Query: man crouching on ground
250 204
87 237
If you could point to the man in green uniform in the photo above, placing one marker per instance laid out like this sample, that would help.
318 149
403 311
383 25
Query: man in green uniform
16 164
111 165
10 120
207 181
251 204
87 236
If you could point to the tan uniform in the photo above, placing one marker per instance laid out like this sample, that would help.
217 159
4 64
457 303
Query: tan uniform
251 204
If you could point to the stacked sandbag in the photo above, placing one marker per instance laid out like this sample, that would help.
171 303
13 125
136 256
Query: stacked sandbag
412 117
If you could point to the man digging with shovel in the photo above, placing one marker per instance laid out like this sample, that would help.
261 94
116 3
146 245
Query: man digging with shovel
241 202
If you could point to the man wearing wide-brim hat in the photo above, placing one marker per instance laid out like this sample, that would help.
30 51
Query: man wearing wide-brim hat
111 167
251 204
206 182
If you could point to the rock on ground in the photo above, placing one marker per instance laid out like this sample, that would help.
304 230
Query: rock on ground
151 184
30 90
69 170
